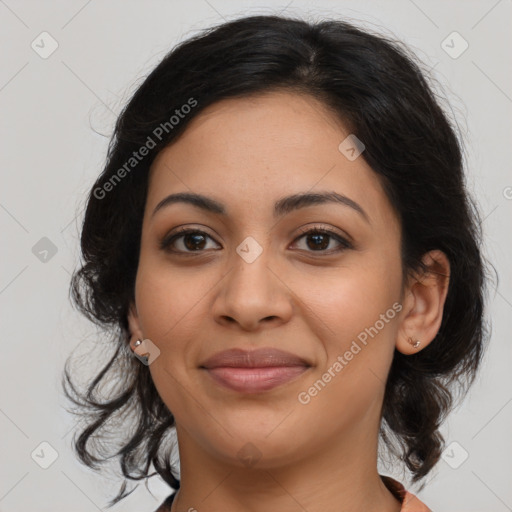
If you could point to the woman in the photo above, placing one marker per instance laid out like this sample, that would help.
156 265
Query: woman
283 239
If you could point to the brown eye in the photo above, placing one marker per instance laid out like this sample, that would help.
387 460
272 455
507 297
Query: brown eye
319 239
187 240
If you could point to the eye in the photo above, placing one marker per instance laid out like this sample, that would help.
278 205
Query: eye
189 240
318 239
192 240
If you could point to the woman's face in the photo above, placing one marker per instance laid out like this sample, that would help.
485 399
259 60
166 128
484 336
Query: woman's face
249 279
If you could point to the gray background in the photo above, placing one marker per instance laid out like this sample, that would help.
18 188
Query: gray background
56 115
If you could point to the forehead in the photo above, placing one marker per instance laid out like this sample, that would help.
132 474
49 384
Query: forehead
258 125
254 150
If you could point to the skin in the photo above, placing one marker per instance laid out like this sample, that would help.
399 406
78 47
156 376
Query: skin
321 456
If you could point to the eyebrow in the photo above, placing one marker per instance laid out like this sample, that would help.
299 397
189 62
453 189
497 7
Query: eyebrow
282 206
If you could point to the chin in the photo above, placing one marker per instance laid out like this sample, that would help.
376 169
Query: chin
259 448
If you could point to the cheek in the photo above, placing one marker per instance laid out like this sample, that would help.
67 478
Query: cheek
355 321
172 307
167 296
165 303
350 299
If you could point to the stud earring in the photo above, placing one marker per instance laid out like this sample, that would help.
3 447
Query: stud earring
415 344
144 358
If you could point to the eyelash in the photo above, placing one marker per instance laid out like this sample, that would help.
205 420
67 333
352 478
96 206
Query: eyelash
167 242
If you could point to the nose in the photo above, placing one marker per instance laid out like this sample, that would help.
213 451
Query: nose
253 295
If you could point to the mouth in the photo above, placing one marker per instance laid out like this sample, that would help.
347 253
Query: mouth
254 371
255 380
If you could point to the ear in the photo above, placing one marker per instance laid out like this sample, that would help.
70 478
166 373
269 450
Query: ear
134 324
424 301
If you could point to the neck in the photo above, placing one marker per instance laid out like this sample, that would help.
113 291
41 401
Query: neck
331 479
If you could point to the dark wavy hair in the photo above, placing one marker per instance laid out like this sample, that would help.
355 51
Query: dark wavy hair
377 88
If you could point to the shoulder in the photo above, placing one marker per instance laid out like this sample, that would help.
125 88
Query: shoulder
166 505
410 502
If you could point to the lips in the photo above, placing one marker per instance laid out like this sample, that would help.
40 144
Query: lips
254 371
260 358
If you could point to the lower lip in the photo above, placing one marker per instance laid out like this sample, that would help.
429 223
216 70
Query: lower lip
255 380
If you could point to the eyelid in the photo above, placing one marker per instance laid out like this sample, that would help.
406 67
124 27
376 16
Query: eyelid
179 231
326 228
344 240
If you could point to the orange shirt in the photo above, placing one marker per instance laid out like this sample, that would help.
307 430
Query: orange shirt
410 503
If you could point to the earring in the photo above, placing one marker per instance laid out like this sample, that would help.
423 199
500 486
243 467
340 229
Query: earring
144 358
415 344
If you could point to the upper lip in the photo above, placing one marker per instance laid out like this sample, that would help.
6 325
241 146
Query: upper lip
259 358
